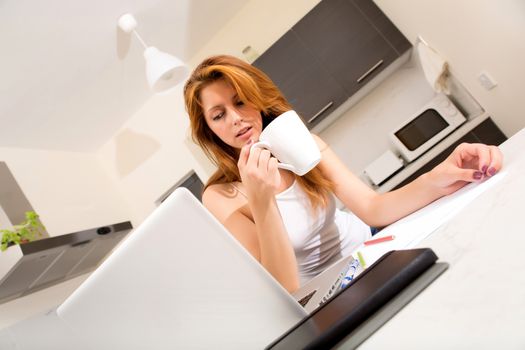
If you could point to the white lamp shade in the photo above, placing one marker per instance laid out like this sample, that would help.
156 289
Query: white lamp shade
163 71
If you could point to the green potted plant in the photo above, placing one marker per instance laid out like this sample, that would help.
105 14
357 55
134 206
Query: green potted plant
25 232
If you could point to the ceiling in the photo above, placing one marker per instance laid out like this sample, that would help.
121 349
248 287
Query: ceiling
70 78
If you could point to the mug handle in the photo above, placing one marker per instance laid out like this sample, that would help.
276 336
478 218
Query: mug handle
266 145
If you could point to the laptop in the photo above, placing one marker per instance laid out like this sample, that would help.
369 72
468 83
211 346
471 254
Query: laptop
180 280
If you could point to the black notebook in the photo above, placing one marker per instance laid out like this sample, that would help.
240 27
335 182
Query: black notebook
369 292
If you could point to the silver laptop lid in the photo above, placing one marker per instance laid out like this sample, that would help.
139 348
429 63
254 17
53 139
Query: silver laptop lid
180 280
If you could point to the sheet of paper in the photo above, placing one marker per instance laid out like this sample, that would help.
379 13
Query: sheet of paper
412 229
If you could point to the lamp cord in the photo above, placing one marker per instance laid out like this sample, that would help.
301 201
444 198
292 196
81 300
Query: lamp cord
140 39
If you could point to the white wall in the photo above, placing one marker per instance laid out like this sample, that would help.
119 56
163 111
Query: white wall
474 35
150 153
70 191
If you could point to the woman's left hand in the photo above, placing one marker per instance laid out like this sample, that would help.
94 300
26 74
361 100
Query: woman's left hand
469 162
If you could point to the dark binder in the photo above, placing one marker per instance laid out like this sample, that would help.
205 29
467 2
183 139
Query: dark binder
374 289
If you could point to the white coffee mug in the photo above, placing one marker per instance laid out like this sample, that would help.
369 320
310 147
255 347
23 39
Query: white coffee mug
288 139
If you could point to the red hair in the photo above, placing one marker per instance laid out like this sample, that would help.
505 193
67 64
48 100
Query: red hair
252 87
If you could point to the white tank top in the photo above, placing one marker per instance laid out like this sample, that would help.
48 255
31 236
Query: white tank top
319 238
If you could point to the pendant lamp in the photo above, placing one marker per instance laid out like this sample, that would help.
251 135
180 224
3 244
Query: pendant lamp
163 71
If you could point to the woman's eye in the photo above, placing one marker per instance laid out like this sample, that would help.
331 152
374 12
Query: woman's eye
239 103
218 116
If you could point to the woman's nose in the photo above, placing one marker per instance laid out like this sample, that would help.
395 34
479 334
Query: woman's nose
236 117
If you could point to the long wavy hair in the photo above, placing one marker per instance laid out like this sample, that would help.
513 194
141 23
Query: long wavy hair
256 89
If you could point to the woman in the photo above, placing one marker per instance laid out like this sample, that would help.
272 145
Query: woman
287 222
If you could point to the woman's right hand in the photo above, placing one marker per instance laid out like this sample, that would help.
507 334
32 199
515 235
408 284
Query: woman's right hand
261 180
259 173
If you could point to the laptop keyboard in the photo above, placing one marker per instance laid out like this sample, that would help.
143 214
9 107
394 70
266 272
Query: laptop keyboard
334 288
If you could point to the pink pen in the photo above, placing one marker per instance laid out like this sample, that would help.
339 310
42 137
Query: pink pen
379 240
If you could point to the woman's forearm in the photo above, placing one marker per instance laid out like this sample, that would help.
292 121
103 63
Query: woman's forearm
389 207
276 250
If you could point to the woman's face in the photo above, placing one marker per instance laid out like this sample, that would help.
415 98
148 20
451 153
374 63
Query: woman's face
231 119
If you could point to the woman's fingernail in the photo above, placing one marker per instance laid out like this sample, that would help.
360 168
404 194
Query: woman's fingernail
492 171
478 175
484 169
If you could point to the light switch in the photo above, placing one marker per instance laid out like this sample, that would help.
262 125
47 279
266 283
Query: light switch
487 81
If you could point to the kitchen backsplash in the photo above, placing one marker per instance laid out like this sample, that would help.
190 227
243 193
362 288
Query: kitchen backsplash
360 134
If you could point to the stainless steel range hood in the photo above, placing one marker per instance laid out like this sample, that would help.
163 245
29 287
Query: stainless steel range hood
42 263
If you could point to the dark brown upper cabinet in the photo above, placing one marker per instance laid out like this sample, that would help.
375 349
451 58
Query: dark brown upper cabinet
307 84
330 54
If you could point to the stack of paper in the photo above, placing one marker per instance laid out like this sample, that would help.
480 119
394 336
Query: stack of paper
411 230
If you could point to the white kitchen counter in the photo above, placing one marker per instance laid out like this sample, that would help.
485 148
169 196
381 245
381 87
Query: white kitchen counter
479 302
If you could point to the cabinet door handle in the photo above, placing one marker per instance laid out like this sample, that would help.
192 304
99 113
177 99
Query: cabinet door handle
320 112
368 72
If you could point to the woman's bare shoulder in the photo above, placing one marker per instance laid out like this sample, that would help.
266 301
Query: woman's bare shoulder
222 199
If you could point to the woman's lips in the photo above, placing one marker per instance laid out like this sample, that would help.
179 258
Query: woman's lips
245 133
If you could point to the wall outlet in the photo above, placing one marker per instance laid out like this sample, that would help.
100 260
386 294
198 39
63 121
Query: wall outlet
487 81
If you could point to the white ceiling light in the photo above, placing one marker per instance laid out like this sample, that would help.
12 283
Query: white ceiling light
163 71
